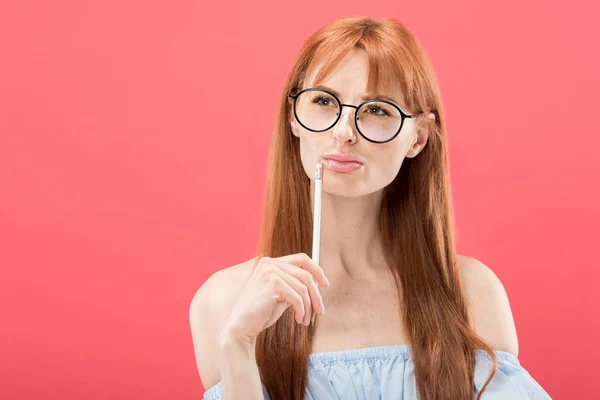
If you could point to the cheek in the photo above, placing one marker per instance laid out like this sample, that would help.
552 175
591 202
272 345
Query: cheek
307 145
388 161
391 154
311 149
312 144
391 162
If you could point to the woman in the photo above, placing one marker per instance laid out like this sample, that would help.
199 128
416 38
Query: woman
406 316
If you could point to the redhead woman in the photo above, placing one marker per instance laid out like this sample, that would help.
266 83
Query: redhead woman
400 315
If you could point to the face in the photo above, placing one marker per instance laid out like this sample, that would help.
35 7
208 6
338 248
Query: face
379 163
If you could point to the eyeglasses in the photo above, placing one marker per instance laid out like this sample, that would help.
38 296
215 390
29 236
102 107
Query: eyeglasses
378 121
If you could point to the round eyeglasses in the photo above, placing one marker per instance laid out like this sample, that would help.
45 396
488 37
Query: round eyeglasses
378 121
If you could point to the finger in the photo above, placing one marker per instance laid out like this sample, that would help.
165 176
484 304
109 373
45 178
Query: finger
287 293
301 289
307 279
303 261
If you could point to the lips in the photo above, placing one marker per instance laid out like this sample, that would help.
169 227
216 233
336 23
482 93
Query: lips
342 163
342 158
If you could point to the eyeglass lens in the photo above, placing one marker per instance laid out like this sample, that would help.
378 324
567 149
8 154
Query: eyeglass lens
318 110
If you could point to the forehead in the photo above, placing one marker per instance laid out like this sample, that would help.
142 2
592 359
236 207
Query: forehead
350 78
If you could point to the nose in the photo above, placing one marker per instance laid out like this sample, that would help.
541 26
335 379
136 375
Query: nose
344 129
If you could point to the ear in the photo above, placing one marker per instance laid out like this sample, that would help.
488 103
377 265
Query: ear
420 138
295 127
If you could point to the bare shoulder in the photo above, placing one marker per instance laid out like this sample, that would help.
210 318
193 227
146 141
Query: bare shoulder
209 308
488 305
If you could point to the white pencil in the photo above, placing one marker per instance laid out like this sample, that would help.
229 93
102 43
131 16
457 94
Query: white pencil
317 221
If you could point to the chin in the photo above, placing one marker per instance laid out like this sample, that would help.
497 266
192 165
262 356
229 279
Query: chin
344 188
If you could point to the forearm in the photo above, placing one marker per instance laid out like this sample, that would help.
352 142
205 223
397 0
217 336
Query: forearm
240 378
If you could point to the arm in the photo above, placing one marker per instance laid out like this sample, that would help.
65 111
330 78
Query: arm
240 378
234 305
220 357
488 304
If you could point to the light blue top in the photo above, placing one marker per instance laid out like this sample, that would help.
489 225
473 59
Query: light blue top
387 372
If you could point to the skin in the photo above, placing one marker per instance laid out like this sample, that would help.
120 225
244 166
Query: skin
350 242
362 303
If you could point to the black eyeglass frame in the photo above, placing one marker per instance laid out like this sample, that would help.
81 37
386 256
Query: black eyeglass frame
356 108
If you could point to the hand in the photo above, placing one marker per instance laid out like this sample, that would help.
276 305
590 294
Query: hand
275 285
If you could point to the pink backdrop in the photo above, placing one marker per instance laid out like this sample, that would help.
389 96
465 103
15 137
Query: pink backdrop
133 144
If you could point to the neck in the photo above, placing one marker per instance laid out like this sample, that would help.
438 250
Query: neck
350 234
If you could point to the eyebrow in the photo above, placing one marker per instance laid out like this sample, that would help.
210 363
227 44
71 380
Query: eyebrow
364 97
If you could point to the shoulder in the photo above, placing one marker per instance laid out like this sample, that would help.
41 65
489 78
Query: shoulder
209 307
488 305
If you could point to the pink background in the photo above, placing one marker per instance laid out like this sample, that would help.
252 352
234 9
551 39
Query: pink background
133 144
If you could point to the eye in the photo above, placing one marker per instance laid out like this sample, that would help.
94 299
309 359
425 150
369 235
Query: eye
375 110
324 101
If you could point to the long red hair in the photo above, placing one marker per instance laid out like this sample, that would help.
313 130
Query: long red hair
416 221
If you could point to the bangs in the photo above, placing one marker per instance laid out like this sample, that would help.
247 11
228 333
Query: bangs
389 65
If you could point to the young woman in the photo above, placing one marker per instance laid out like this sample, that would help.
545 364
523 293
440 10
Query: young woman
406 316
